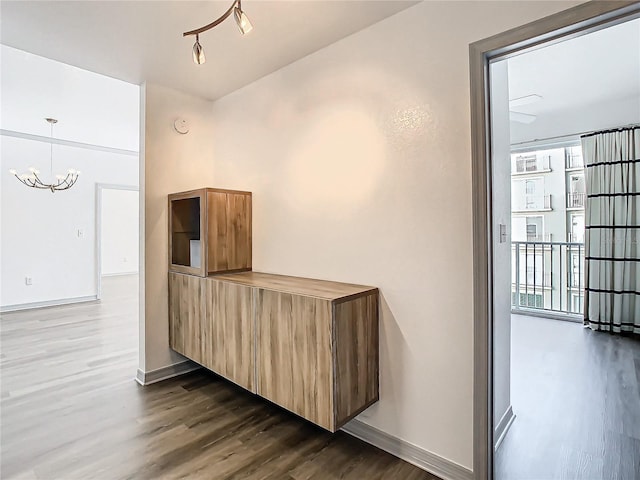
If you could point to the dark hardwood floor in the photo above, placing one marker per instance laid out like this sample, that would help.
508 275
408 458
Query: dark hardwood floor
576 396
70 409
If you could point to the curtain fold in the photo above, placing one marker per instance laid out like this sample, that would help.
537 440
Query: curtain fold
612 230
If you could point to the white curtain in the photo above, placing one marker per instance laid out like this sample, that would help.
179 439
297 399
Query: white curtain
612 223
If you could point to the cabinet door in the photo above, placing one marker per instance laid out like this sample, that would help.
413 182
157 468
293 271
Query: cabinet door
228 332
294 354
186 313
229 231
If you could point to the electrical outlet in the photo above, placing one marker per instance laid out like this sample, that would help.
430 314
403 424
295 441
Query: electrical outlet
28 281
125 260
80 233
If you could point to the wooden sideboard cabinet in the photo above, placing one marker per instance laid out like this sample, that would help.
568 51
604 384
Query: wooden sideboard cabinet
209 231
310 346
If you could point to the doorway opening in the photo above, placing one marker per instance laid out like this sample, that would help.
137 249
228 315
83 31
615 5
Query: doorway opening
117 233
552 265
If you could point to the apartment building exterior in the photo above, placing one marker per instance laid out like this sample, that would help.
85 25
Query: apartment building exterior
547 229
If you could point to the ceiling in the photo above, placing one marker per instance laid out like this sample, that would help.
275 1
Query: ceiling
588 70
142 40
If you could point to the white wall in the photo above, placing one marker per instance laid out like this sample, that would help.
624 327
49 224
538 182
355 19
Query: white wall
119 226
359 159
172 163
40 229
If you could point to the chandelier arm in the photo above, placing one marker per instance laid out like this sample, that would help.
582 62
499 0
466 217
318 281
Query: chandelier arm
224 16
38 179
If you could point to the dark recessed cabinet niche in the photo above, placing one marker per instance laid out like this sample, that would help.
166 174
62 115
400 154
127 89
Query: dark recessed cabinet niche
209 231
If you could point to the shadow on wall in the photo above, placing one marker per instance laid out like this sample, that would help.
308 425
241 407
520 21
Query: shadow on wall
392 368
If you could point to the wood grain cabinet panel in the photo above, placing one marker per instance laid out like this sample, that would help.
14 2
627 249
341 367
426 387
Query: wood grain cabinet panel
228 332
229 231
186 314
294 354
356 340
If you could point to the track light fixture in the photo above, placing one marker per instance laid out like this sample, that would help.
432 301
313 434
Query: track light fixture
241 20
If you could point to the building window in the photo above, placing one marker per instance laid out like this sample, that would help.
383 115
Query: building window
534 229
526 163
573 157
577 229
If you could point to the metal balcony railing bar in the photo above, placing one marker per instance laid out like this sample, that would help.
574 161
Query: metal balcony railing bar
576 199
548 276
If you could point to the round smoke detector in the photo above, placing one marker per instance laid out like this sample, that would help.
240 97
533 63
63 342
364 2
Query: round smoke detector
181 126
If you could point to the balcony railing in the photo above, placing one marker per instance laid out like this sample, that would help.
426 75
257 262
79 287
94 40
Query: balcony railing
577 237
532 203
575 161
531 163
548 276
576 200
539 237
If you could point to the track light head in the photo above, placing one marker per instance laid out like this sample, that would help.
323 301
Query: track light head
198 52
242 20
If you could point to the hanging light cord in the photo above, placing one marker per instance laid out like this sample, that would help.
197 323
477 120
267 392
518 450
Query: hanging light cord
51 150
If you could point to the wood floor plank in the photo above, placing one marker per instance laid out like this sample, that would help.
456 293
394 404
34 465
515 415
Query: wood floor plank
576 397
70 409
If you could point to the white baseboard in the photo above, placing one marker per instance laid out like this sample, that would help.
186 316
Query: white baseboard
432 463
164 373
503 426
120 274
47 303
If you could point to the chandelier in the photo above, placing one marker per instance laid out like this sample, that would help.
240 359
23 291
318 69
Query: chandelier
241 19
62 182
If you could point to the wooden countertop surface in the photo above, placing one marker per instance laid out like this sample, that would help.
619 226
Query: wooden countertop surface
296 285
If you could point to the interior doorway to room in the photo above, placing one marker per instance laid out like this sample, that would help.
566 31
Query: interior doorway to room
541 386
117 234
531 406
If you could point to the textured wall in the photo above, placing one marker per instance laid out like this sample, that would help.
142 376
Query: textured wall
359 160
